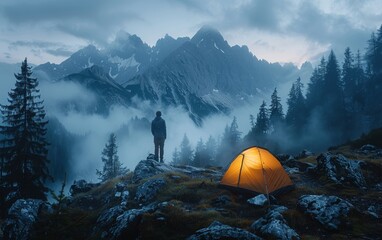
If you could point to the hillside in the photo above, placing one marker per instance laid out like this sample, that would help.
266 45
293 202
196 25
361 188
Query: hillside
337 195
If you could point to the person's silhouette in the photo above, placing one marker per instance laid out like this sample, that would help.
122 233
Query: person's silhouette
158 129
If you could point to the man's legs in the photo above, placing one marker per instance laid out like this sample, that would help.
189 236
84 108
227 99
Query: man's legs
161 145
156 146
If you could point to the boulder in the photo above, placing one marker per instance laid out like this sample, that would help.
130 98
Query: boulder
340 170
330 211
274 226
119 223
304 153
218 230
21 217
82 186
259 200
149 190
367 148
148 168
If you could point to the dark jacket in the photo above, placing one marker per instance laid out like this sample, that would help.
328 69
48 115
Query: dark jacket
158 128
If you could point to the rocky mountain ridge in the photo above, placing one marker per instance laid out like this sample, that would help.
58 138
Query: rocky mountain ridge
203 74
335 197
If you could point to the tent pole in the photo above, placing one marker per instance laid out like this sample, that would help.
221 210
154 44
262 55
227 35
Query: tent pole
265 179
241 167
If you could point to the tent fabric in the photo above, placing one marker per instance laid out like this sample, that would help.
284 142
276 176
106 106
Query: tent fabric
257 170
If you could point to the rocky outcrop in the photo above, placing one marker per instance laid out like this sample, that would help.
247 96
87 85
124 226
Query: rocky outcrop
117 223
21 217
340 170
274 226
218 230
330 211
82 186
149 190
148 168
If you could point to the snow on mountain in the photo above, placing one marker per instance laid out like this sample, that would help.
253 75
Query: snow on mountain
203 74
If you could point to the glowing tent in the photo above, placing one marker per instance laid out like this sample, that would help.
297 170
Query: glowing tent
257 170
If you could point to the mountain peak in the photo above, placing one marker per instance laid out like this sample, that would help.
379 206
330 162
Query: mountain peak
209 36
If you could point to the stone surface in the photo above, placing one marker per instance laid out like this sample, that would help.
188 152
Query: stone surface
340 170
330 211
218 230
274 226
148 168
149 190
21 217
259 200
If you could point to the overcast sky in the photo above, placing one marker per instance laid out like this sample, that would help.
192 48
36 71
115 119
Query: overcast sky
278 31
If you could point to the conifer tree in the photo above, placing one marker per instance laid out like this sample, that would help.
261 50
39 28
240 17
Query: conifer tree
234 133
185 153
200 157
262 122
112 167
176 156
296 114
211 150
348 79
23 143
276 115
315 89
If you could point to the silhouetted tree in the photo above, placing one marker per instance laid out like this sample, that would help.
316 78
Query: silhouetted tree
315 91
24 146
200 157
296 114
262 122
112 167
374 79
185 153
276 115
176 156
211 150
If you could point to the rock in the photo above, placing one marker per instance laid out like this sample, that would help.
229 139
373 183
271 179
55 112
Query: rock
108 217
368 148
274 226
372 211
330 211
81 186
149 189
21 217
125 197
119 187
285 157
259 200
340 170
117 223
218 230
148 168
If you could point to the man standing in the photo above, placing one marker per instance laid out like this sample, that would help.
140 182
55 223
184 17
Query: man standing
158 129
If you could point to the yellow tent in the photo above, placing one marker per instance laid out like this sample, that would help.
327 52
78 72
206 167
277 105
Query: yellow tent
257 170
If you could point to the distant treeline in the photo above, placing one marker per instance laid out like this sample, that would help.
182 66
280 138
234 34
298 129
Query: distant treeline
340 104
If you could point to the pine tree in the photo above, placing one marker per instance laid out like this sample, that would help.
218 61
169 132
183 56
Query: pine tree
200 157
185 153
262 122
24 146
234 133
112 166
374 79
315 86
176 156
296 114
276 115
348 79
336 117
211 150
